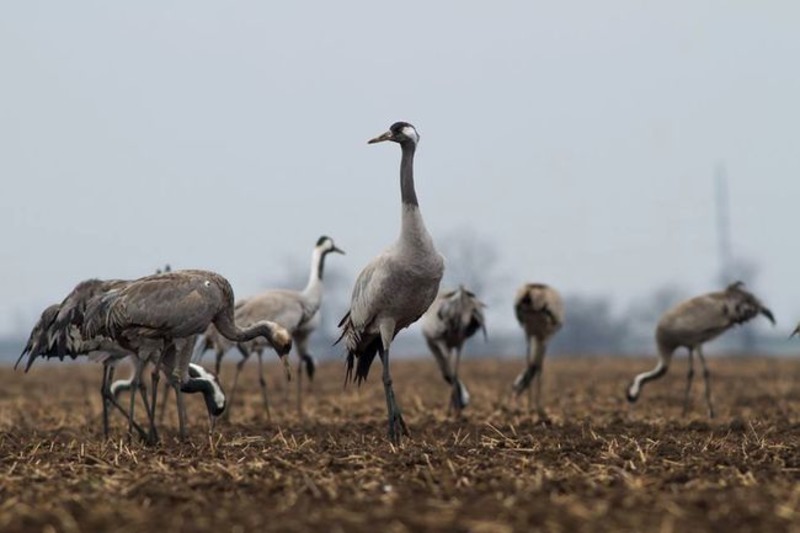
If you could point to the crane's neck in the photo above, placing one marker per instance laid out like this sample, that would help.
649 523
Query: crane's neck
313 290
413 232
407 192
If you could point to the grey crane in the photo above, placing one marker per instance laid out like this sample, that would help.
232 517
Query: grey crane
58 334
297 311
453 317
396 288
171 308
692 323
540 312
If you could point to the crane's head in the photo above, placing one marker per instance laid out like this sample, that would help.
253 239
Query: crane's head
326 245
400 132
203 381
281 341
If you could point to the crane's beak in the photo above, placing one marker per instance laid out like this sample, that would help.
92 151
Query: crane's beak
338 250
380 138
795 332
767 313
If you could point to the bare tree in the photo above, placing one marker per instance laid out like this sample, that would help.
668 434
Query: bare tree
472 260
744 340
643 315
591 327
335 299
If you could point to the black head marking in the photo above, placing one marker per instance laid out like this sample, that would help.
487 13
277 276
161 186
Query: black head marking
200 380
399 135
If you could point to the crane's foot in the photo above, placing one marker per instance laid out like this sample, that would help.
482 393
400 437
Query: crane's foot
397 426
523 381
543 418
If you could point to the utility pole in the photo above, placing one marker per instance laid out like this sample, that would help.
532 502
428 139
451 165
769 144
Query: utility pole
743 340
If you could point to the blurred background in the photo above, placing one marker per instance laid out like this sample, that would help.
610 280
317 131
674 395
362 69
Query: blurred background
630 155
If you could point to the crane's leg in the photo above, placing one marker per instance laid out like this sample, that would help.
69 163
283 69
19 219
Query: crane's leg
707 381
108 375
532 344
109 400
218 363
156 375
452 405
439 354
689 377
538 361
397 426
456 401
539 409
143 393
162 413
239 366
174 382
263 383
137 376
299 385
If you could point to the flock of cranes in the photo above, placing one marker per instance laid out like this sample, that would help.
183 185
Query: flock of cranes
166 321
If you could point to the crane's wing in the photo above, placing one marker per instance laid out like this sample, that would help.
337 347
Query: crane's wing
280 306
171 305
369 293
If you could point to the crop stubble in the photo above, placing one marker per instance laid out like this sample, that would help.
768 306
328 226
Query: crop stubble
595 464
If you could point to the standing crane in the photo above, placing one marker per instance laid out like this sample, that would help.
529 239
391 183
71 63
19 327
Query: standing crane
396 288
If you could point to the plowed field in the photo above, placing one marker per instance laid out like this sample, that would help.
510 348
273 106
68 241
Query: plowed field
594 465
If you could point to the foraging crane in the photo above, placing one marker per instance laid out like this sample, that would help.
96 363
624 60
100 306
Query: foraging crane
396 288
58 334
691 324
453 318
540 312
171 308
296 311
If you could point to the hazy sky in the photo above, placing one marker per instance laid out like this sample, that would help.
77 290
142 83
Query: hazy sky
581 137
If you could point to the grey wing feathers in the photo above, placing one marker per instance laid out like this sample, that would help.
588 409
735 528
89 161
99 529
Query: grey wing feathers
363 304
170 305
704 317
280 306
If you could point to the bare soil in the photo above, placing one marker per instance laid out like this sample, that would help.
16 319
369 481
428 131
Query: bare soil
595 465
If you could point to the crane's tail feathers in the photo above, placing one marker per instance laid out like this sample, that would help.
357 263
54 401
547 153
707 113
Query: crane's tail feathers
27 350
523 381
29 364
768 314
361 362
344 323
310 364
